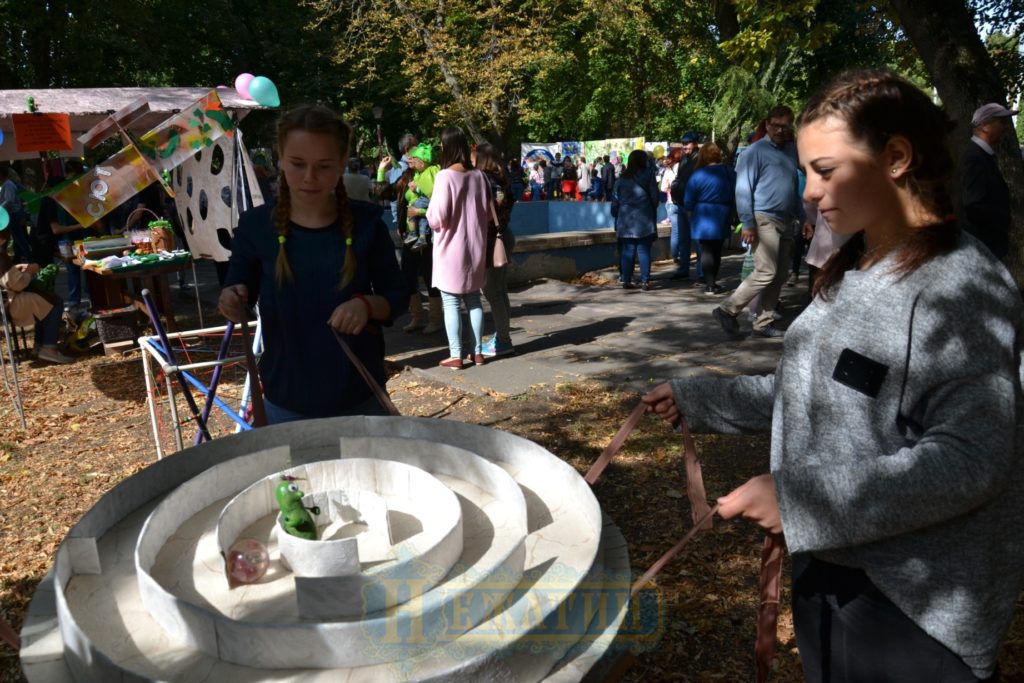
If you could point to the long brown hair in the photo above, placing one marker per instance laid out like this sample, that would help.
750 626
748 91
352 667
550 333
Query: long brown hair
313 118
489 161
455 148
877 105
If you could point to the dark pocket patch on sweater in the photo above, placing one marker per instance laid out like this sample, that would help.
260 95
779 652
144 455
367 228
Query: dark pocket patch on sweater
860 373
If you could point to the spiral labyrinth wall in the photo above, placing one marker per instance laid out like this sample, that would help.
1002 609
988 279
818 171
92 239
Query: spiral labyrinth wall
496 565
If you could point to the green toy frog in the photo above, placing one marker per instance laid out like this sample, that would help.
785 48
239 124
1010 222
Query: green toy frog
295 517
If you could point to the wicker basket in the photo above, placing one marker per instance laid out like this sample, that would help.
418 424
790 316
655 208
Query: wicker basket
117 324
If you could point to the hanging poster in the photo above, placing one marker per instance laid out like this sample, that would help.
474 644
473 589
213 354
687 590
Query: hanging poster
42 132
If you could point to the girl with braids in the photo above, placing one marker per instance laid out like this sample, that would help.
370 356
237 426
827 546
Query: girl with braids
458 214
317 263
895 410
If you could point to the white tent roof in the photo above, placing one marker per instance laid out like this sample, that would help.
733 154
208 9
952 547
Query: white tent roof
89 106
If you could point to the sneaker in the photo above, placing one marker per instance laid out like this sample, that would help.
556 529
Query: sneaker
451 363
728 322
793 279
52 355
645 286
493 348
411 237
628 285
420 244
713 289
768 332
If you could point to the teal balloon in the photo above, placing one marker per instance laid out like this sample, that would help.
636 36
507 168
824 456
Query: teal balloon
264 92
5 218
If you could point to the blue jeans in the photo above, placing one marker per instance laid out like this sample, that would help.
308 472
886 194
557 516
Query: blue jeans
632 249
680 242
535 189
276 414
453 321
74 284
673 241
47 329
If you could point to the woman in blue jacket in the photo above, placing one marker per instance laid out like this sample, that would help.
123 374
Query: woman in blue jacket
635 209
710 201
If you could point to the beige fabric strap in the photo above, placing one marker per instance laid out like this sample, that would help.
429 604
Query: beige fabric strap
674 550
259 412
771 553
8 636
620 438
694 480
381 395
768 607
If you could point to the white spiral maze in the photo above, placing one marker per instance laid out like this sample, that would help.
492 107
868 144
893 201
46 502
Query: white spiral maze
500 566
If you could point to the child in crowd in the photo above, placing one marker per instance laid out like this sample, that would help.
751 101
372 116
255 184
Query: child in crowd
421 187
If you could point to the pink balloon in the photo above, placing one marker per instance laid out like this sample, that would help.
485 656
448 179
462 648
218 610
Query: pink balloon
242 85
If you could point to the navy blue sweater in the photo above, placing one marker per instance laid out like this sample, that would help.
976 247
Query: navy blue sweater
303 367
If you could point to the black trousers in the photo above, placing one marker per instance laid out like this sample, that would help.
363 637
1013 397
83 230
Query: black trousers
848 632
711 259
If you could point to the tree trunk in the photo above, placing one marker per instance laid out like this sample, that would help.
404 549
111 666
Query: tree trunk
726 20
944 35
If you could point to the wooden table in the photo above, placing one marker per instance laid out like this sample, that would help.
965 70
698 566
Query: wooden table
107 288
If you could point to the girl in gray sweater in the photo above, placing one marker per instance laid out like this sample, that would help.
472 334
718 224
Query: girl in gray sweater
895 411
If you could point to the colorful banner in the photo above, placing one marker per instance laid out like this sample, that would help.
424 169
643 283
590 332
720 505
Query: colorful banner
532 152
104 187
620 147
591 149
41 132
572 149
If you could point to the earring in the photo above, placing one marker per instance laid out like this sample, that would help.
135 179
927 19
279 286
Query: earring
894 170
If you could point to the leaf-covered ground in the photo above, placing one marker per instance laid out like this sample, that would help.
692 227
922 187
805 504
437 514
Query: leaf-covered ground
89 427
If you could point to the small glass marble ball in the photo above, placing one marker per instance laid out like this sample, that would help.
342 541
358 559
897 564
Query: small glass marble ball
248 560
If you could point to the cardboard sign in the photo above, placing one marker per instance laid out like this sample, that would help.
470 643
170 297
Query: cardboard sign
42 132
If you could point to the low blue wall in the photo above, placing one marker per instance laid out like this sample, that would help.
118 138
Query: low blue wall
553 217
540 218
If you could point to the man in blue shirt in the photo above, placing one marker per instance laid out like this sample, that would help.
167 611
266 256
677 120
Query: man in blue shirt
768 203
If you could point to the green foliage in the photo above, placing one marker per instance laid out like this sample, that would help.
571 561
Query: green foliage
504 69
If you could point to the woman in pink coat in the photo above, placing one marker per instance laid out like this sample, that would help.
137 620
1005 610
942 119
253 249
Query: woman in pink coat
458 214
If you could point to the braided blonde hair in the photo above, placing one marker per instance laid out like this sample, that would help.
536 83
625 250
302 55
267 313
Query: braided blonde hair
313 118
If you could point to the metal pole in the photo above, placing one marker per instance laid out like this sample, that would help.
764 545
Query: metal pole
16 398
150 397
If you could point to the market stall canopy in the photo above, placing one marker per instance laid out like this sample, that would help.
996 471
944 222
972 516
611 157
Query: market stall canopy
86 107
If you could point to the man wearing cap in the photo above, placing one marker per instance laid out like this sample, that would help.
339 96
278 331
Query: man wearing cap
679 242
981 196
768 202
